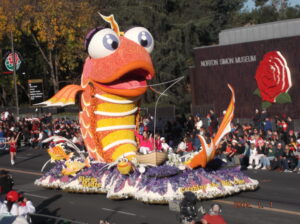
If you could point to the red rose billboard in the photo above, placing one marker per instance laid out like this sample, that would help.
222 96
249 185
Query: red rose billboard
269 68
273 78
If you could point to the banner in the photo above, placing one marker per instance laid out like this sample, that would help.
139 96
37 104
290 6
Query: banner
36 91
9 61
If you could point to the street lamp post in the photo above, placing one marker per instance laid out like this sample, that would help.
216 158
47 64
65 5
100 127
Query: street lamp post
14 73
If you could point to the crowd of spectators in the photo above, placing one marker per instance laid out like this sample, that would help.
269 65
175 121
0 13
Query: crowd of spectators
264 143
34 130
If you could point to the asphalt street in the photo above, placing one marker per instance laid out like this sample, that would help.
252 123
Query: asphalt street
276 201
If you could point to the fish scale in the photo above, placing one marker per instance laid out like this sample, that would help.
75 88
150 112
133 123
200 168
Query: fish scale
120 141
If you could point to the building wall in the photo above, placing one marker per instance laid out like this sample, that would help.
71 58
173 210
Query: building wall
236 64
265 31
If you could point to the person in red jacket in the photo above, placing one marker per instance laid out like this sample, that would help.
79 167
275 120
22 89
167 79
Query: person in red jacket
214 216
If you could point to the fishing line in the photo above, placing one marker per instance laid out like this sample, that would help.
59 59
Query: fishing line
158 84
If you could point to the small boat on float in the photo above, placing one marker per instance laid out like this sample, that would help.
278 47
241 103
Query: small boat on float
153 158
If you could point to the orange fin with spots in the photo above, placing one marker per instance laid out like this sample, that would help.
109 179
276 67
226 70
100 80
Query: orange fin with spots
64 97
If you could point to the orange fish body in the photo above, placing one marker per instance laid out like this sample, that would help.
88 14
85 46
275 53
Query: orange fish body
111 87
57 153
108 116
72 167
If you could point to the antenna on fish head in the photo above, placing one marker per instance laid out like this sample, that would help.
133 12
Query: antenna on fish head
113 24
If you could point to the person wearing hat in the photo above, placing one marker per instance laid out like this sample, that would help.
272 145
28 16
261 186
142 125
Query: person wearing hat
16 205
165 147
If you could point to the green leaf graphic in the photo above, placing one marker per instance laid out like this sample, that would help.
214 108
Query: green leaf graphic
265 104
283 98
257 92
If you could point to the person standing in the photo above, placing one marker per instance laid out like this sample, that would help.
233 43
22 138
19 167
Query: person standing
214 216
256 120
13 147
198 123
213 122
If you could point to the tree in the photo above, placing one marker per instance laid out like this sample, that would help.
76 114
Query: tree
266 11
58 28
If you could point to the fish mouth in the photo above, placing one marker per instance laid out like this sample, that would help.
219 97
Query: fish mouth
133 79
128 81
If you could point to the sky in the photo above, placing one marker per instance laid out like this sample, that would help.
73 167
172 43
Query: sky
250 3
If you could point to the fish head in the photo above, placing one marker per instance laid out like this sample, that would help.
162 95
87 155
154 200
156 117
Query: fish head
124 166
120 65
56 152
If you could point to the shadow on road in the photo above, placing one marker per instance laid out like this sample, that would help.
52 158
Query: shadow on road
111 215
30 158
42 207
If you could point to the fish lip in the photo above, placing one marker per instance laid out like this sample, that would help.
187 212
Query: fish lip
137 70
133 79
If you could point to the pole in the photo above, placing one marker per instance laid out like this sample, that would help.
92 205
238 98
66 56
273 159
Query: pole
156 103
14 73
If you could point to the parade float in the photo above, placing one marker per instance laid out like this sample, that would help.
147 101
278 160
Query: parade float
113 80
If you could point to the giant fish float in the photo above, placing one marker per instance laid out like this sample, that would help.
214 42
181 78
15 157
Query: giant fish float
114 78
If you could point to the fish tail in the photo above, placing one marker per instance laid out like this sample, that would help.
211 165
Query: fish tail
69 156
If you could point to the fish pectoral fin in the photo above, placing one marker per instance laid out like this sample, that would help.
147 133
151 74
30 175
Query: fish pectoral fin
65 96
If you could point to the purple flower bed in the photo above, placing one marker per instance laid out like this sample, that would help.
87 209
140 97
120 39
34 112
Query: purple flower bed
155 179
161 171
55 172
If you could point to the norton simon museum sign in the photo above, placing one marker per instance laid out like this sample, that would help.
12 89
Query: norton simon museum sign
264 74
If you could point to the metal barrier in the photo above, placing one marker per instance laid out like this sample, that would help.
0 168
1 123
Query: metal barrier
48 219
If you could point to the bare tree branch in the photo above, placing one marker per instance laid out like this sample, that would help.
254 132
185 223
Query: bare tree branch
41 50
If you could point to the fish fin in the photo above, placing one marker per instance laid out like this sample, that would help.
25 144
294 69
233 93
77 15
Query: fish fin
69 156
113 23
209 150
225 124
87 162
199 159
65 96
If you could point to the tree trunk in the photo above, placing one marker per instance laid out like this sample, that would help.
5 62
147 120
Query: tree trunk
56 71
49 61
52 73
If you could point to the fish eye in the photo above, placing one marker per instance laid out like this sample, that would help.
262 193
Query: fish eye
141 36
103 43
